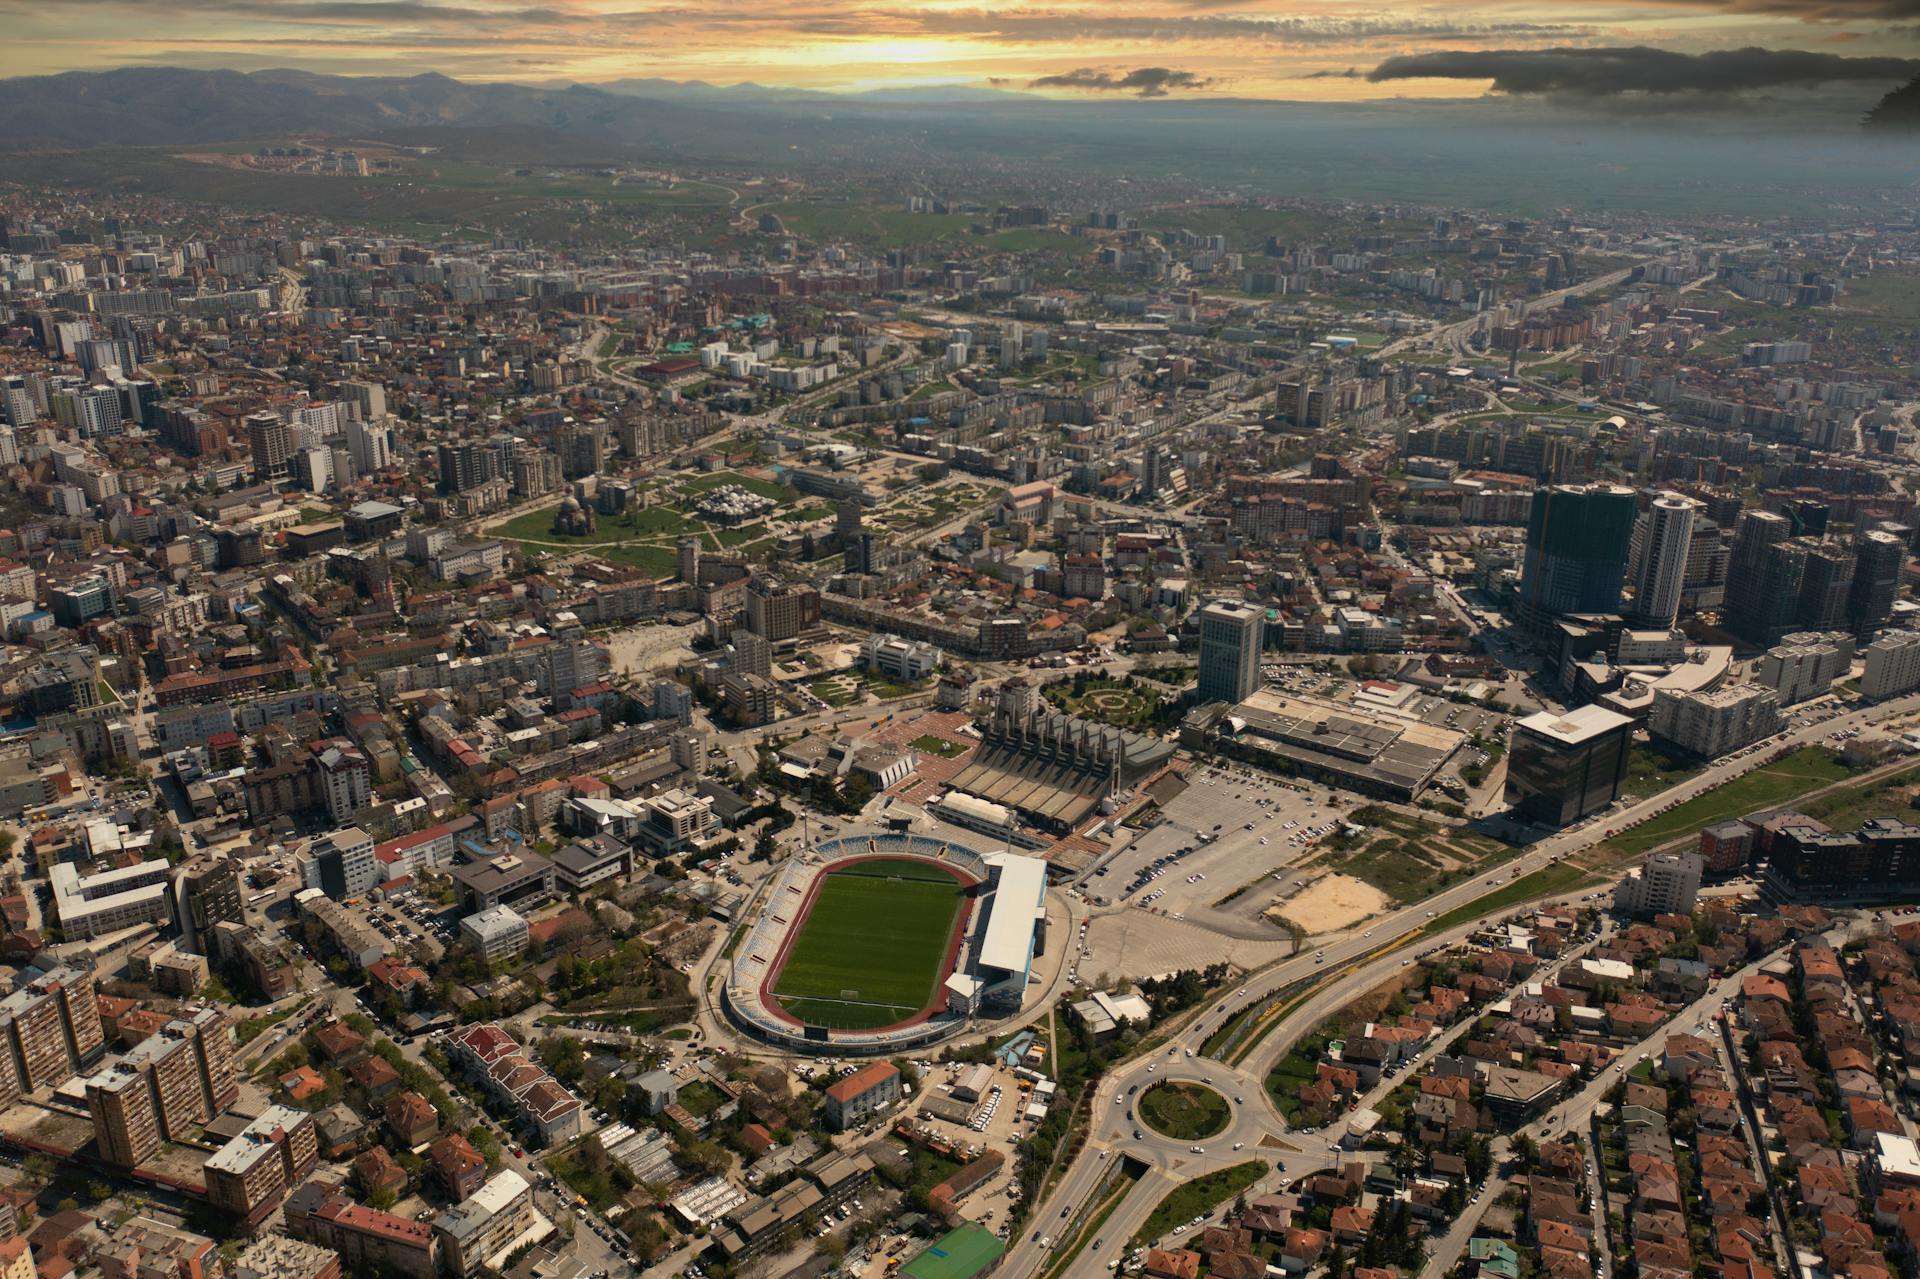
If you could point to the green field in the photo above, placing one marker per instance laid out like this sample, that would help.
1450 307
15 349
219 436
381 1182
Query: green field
1772 785
871 950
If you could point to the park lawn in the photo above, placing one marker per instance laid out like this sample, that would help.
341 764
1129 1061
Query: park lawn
651 521
1201 1195
1769 786
928 744
871 950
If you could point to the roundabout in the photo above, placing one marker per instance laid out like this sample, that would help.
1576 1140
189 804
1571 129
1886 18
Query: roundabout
1184 1110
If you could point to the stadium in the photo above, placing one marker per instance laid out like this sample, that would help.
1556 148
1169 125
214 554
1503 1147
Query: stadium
871 944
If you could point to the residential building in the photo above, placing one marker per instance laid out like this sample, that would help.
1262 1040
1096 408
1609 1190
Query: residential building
249 1176
1659 570
1805 665
367 1239
1892 665
459 1168
1666 884
1718 721
281 1257
479 1229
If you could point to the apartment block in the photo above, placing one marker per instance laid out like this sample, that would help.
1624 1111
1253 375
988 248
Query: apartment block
249 1176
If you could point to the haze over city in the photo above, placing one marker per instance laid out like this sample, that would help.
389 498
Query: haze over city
1158 639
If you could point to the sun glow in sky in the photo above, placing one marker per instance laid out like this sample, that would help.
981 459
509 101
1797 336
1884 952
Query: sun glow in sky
1306 49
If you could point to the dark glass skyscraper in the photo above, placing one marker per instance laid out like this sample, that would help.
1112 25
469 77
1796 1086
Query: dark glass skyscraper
1578 539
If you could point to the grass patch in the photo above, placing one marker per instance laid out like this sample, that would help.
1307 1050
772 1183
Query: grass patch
871 951
1558 878
1189 1112
928 744
254 1027
1199 1196
1769 786
1650 771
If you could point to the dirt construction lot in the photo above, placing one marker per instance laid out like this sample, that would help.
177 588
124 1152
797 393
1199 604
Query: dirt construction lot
1331 903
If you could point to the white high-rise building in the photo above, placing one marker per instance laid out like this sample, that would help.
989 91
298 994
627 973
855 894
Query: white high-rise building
1660 564
1230 641
367 442
1668 884
1893 665
1805 664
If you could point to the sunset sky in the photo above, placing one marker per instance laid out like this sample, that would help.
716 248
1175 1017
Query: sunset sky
1299 49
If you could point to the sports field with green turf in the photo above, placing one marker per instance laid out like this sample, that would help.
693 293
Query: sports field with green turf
872 948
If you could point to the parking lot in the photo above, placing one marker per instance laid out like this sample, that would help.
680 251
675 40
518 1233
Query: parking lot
1226 831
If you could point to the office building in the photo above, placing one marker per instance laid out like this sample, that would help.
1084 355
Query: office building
1231 637
1892 665
107 901
497 933
675 821
1666 884
249 1176
1881 559
1664 539
1578 537
1712 723
853 1100
1562 768
521 879
342 865
909 661
1805 665
686 559
479 1230
271 440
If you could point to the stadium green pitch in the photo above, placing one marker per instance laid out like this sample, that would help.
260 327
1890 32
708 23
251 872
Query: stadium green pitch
873 948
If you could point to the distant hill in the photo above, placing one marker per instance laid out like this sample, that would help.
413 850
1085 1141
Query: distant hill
170 105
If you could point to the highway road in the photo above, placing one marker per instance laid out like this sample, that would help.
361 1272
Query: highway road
1254 1121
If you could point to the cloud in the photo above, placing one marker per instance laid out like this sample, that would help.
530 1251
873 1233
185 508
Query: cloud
1814 10
1038 26
1600 73
1147 82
